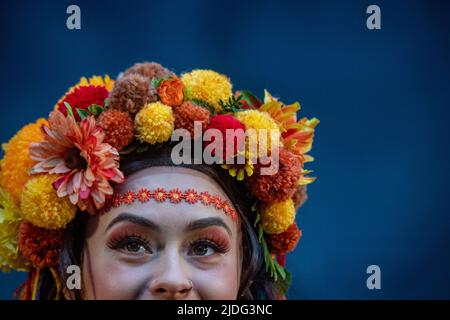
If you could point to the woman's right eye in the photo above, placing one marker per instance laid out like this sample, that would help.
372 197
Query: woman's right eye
134 245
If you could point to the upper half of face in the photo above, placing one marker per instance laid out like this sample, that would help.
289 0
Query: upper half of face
158 249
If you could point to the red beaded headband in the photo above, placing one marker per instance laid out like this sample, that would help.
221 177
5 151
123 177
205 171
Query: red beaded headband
174 196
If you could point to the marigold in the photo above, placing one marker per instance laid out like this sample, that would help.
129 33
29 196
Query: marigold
16 162
154 123
171 91
264 131
9 226
276 217
286 241
41 205
40 246
208 86
280 185
118 128
187 114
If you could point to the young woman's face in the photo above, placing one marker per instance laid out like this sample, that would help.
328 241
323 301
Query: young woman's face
162 250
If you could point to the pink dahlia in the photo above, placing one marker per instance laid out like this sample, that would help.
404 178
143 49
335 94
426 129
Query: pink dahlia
77 153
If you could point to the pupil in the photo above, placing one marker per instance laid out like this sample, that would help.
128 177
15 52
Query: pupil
133 246
201 250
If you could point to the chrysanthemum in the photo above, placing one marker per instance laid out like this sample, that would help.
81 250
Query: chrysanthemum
118 128
40 246
41 205
16 162
149 70
187 114
262 131
208 86
154 123
9 226
131 93
99 81
82 97
282 183
77 153
276 217
286 241
281 113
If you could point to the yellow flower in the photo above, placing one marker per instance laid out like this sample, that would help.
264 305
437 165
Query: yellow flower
9 225
276 217
240 170
16 162
41 206
105 81
265 133
154 123
207 85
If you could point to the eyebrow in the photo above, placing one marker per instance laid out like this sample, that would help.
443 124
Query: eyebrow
137 220
208 222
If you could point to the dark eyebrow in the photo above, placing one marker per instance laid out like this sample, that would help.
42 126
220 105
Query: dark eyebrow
208 222
135 220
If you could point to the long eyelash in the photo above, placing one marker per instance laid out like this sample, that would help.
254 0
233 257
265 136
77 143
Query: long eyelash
219 247
118 242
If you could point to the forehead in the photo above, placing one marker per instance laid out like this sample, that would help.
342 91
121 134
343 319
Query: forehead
171 216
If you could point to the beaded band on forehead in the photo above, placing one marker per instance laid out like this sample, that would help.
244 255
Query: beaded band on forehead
174 196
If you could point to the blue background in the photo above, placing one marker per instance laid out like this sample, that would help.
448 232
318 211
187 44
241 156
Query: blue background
382 97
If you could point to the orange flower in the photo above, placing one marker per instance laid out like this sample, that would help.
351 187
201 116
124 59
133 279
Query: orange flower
171 91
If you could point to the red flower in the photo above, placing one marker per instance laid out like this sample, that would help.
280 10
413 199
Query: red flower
222 123
216 201
160 195
175 195
144 195
40 246
191 196
83 97
286 241
205 198
129 197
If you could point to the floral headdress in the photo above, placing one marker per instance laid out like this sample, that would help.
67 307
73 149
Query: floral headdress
56 167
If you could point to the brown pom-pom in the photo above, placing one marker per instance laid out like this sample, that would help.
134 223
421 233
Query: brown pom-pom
279 186
40 246
187 113
118 127
131 94
149 70
284 242
299 197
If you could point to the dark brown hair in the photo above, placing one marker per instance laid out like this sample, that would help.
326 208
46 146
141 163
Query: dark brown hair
255 283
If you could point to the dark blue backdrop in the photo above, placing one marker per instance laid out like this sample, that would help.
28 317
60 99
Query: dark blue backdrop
382 97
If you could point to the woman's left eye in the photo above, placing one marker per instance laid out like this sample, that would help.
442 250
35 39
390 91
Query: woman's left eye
203 249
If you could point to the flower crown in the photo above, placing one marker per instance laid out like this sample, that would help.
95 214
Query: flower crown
68 163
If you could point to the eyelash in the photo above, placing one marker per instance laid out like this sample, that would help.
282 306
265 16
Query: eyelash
216 246
121 242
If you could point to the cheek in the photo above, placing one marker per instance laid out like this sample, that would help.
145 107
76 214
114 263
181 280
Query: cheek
106 278
220 282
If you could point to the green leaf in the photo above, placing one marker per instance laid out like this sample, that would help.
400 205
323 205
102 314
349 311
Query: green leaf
282 285
82 113
69 109
257 219
156 82
95 109
280 270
